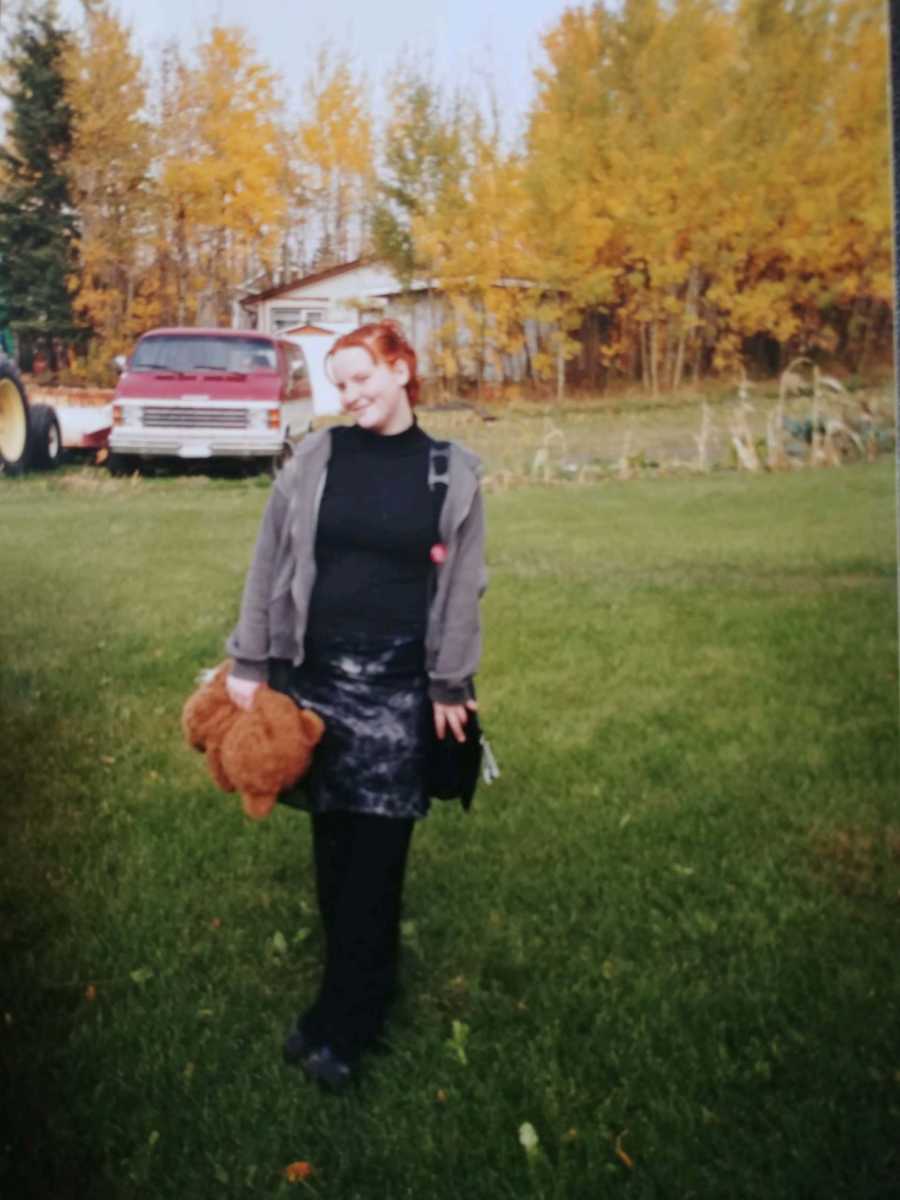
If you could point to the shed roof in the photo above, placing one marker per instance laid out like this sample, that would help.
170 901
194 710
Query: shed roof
305 280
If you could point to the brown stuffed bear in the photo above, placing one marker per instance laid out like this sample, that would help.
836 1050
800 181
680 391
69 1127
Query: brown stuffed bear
258 752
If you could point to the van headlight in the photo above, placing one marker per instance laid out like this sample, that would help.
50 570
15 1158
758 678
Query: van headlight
126 414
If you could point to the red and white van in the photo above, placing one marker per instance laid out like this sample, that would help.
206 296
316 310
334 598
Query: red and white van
209 394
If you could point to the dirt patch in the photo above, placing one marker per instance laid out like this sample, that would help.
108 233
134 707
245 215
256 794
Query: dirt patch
855 860
97 483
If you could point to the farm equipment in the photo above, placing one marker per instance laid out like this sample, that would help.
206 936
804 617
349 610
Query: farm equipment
30 435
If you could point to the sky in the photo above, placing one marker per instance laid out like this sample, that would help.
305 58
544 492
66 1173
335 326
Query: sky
462 39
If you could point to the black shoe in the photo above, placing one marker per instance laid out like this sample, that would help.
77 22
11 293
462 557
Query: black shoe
296 1047
324 1066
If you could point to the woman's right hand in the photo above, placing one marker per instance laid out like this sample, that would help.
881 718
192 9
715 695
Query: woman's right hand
240 691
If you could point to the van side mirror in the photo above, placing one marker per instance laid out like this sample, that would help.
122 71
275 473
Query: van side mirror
120 362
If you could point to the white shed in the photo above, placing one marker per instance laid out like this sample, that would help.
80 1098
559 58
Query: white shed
342 297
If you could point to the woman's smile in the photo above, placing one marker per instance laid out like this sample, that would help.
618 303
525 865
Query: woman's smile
372 392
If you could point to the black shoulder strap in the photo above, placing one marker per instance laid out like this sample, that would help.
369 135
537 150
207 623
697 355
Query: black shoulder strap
438 479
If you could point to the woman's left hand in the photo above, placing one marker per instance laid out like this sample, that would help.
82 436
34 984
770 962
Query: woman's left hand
454 716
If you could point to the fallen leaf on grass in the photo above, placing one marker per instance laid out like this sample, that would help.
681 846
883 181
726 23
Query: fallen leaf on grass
107 760
621 1154
216 922
441 1096
528 1139
90 992
297 1172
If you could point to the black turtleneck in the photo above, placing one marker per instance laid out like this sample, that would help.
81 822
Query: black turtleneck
374 535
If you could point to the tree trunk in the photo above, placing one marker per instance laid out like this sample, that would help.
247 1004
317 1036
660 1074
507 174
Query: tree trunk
181 264
654 359
560 359
667 355
868 326
481 350
687 325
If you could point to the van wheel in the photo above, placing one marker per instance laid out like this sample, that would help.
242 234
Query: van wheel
14 427
122 464
46 439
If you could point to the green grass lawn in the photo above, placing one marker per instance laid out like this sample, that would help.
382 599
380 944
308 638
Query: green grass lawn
667 937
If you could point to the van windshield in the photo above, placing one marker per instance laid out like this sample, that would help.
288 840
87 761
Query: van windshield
203 352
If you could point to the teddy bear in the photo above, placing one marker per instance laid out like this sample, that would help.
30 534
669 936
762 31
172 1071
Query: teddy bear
257 752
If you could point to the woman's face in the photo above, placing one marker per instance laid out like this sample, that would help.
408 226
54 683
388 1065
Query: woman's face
373 392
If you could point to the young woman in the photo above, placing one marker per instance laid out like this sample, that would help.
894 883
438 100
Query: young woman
364 607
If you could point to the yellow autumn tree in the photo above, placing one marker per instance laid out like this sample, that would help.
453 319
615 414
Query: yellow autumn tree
809 271
109 165
669 162
768 287
220 172
624 159
471 242
858 241
570 210
335 159
709 183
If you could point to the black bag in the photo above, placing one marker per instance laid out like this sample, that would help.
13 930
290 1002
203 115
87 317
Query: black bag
453 767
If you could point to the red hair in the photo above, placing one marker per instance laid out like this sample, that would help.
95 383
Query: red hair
386 342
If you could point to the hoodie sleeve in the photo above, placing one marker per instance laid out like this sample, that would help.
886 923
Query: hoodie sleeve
248 644
450 681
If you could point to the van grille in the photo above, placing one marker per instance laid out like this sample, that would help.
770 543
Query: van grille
207 417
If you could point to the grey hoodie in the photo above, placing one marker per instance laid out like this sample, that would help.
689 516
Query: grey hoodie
272 621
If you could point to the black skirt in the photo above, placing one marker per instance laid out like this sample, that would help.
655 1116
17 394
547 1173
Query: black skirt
372 694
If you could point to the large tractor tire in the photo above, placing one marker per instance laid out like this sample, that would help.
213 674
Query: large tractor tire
14 426
46 447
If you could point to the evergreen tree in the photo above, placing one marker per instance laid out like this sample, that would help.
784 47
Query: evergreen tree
38 233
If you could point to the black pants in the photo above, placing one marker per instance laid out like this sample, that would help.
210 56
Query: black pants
360 863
